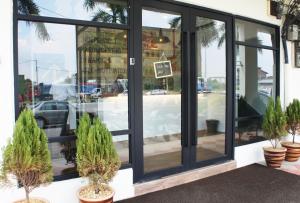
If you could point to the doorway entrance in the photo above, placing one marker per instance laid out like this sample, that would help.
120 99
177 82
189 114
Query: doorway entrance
183 88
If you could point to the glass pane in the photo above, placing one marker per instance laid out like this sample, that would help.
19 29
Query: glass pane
77 69
161 90
63 157
211 88
255 84
122 147
107 11
254 33
102 74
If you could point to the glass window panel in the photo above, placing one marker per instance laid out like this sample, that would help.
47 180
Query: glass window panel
255 84
107 11
211 88
121 143
161 90
76 69
254 33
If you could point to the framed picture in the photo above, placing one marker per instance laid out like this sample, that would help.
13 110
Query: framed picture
297 54
163 69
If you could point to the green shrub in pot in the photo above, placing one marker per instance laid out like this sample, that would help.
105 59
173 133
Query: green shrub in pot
293 126
274 128
97 159
27 157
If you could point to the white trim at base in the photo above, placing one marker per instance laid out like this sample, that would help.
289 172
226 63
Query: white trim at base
249 154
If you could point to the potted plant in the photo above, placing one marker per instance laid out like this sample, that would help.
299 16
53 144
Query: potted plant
274 128
97 159
293 126
26 157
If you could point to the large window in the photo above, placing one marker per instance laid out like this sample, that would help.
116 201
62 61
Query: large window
255 78
65 70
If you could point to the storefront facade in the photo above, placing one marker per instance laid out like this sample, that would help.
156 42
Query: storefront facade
181 85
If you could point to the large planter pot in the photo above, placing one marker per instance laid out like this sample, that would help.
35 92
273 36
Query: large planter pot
293 151
274 157
33 200
212 126
107 199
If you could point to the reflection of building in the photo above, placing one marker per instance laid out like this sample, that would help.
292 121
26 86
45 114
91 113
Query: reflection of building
261 73
161 45
102 55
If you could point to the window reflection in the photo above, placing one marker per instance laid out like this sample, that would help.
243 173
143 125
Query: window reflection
78 69
107 11
211 88
255 84
254 33
161 90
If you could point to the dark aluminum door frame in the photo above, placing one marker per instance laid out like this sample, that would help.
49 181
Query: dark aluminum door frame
138 155
188 86
230 95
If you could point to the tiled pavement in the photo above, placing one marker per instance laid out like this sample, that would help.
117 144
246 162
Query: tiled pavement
291 167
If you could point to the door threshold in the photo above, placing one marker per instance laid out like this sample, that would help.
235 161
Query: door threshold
182 178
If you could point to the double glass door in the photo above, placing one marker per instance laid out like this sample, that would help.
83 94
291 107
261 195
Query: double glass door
184 90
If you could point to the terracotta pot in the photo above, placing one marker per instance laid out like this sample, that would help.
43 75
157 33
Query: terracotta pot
274 157
108 199
32 198
293 151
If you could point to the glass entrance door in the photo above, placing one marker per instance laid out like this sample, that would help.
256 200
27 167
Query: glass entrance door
212 87
183 97
162 98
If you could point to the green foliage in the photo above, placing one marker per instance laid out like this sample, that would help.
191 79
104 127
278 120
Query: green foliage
97 157
27 156
274 123
293 117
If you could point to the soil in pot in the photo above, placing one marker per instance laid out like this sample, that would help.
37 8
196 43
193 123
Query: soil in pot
32 200
87 195
274 157
293 151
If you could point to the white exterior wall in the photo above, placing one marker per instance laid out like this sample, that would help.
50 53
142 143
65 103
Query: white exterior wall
244 155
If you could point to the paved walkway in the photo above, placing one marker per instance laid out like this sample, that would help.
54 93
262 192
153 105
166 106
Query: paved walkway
291 167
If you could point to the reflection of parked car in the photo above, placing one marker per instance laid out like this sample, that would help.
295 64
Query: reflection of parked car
51 113
157 92
96 93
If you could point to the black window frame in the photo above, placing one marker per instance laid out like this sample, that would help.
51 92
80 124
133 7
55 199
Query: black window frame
133 119
75 22
275 48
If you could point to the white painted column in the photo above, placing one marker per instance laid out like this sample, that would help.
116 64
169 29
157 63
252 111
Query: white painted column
7 110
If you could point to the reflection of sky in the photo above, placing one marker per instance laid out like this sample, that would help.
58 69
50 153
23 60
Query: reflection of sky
156 19
68 9
56 58
266 61
213 60
59 53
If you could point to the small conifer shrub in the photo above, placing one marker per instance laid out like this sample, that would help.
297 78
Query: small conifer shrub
293 118
96 155
26 156
274 123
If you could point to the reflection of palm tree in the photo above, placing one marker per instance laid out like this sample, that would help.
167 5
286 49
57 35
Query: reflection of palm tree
29 7
175 24
118 12
209 32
